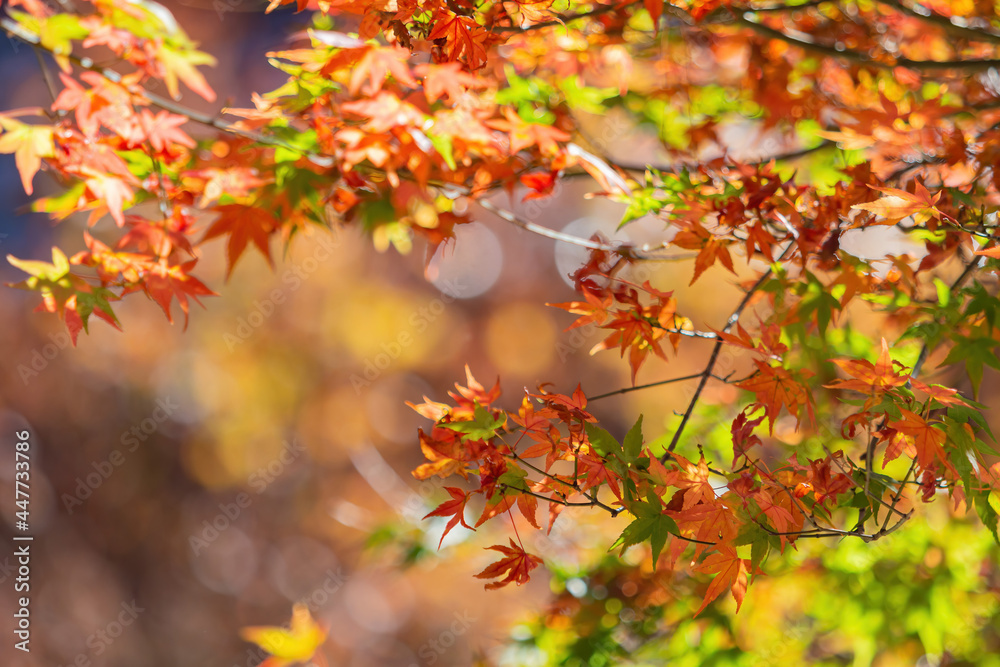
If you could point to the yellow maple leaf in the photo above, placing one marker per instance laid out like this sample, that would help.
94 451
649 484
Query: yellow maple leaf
288 646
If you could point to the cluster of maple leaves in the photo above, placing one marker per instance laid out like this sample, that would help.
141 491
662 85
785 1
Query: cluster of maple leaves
398 116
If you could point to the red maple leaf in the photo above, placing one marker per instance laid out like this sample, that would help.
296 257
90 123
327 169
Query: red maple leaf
454 508
243 225
165 283
743 436
516 563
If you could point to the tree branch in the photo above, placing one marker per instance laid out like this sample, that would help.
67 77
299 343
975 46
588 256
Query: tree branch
924 14
643 386
862 58
707 373
623 249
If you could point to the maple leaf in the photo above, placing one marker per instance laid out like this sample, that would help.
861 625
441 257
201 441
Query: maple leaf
712 522
454 508
376 65
870 378
516 563
446 79
541 182
243 224
534 11
461 36
593 310
743 339
898 204
743 436
81 101
896 443
29 144
109 263
214 182
474 394
595 471
439 464
824 482
710 248
165 283
528 506
776 387
181 65
575 404
525 135
781 518
113 193
692 479
64 294
731 572
385 111
296 644
927 440
162 131
943 395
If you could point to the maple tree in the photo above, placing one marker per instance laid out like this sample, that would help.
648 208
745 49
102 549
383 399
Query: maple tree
405 119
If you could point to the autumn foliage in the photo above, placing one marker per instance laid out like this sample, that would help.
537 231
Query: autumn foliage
406 119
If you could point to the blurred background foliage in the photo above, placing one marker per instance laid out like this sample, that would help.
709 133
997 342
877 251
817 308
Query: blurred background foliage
262 457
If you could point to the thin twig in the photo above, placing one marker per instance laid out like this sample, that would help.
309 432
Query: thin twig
47 77
705 374
898 494
623 249
643 386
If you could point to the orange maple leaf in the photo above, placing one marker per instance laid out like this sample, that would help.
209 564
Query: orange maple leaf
927 440
870 378
446 79
461 35
731 572
165 283
376 65
993 252
898 204
775 387
534 11
525 135
243 225
517 563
